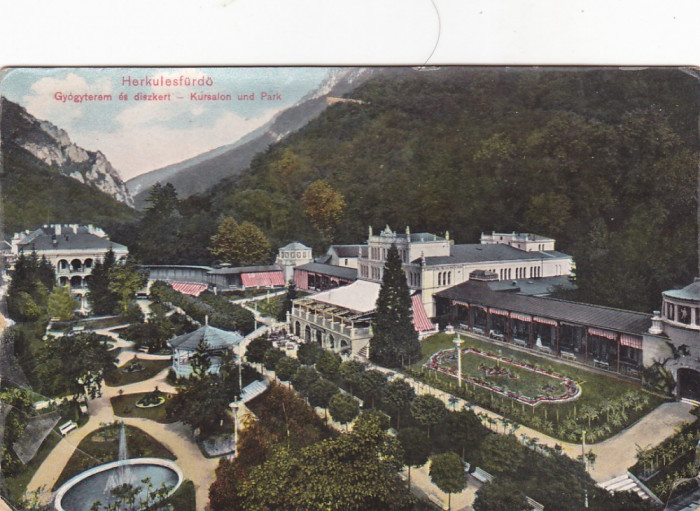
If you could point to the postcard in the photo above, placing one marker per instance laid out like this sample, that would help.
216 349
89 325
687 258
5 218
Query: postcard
450 287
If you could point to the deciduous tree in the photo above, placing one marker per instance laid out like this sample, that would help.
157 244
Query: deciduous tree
343 408
241 244
447 473
398 397
416 448
428 411
324 206
61 303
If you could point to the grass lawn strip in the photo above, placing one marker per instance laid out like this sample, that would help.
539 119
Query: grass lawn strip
120 377
102 446
125 406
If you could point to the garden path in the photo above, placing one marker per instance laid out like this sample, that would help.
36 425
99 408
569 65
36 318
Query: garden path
176 437
614 455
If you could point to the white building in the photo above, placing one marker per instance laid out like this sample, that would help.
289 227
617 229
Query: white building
434 263
72 249
292 255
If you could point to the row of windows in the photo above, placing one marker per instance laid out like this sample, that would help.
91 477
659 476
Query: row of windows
445 278
288 255
379 254
414 279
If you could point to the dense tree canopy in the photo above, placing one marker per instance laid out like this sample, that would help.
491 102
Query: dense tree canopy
351 472
241 244
76 364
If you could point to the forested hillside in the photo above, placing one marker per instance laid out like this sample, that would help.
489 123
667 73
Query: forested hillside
33 194
605 161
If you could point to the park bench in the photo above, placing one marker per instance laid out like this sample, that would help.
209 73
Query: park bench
482 476
568 355
520 342
601 363
67 427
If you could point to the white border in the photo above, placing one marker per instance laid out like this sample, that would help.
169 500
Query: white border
326 32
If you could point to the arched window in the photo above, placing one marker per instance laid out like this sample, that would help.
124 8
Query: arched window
331 342
307 333
319 336
297 329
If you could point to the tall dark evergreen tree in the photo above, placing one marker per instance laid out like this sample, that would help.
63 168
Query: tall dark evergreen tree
395 341
102 299
46 273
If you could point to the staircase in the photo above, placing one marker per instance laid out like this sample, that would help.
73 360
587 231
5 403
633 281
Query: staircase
364 352
627 482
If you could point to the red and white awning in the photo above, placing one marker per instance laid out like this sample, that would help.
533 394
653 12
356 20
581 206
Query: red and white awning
188 288
632 341
521 317
263 279
546 321
602 333
421 322
500 312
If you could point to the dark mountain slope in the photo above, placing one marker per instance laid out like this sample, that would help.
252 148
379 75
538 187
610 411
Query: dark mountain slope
35 192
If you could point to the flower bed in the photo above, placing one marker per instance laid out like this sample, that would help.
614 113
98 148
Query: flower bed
562 390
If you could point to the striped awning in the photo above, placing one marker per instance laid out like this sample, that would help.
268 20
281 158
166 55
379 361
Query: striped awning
421 322
633 341
262 279
301 279
521 317
602 333
188 288
546 321
500 312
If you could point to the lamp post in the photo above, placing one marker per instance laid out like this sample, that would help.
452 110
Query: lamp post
458 344
234 411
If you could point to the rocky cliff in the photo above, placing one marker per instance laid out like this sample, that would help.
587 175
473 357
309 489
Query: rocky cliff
52 145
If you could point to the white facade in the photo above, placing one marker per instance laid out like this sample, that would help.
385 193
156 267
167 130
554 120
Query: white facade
433 263
291 255
73 250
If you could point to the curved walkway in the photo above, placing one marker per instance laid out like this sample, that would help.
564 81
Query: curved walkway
176 437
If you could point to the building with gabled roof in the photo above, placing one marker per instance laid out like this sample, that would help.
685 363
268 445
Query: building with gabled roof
72 249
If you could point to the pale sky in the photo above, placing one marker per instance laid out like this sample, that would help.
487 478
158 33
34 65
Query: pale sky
139 136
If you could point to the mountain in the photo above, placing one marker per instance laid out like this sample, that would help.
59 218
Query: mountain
53 146
197 174
46 178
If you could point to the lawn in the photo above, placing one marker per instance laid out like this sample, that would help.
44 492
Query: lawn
102 446
125 406
606 405
121 375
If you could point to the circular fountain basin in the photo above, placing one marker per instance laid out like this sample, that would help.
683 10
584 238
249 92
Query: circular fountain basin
83 490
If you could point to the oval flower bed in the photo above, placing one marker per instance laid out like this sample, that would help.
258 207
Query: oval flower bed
495 378
150 400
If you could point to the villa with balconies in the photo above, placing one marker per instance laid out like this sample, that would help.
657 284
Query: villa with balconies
72 249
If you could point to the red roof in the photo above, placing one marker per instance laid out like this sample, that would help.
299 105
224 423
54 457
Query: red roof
421 322
189 288
263 279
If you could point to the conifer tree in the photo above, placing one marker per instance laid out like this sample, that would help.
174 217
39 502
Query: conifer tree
395 341
102 299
